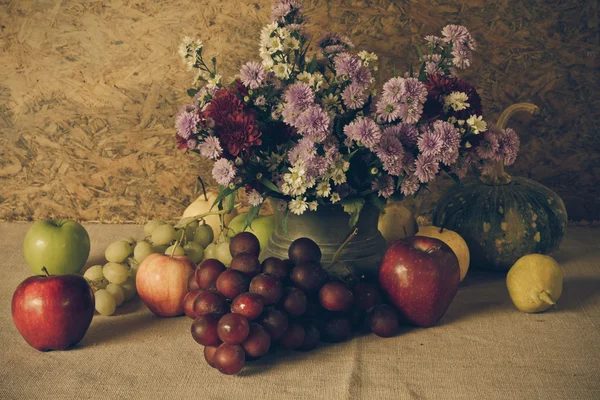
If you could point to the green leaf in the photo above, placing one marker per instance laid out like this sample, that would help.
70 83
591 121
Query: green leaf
353 206
230 202
223 192
422 74
376 201
419 52
312 66
252 214
270 185
192 92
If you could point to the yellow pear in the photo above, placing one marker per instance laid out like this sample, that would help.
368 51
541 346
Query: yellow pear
203 205
397 222
535 283
454 241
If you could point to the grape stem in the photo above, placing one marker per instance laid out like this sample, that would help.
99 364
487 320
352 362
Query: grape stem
338 253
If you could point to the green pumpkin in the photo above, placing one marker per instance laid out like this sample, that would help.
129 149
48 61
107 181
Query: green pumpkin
503 218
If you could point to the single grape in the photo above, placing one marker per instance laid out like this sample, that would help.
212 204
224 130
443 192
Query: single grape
335 296
223 254
204 235
314 309
188 303
383 320
207 273
204 330
233 328
118 251
246 263
244 242
229 359
232 283
117 293
276 267
194 251
133 270
209 355
312 337
115 272
142 250
248 304
366 295
175 250
304 250
151 225
129 289
210 251
105 302
192 284
258 342
294 301
210 303
94 273
268 287
275 322
160 249
293 336
163 234
308 277
337 329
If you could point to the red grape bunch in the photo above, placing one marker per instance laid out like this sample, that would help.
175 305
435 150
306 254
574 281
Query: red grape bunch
243 311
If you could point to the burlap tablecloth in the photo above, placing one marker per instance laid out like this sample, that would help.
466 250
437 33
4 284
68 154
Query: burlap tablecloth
483 348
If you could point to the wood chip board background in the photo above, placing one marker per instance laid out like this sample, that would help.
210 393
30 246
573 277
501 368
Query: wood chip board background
89 90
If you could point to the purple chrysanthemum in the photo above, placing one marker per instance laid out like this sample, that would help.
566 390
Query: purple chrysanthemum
252 74
393 90
314 123
451 141
434 40
345 190
290 114
388 110
354 97
509 144
210 148
391 153
416 91
302 152
331 146
489 146
455 33
316 167
192 143
463 57
346 64
299 95
334 43
384 186
254 198
407 134
409 185
363 130
283 8
224 171
426 168
362 77
430 144
187 122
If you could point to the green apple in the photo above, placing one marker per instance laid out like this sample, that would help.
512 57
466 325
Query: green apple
262 227
61 245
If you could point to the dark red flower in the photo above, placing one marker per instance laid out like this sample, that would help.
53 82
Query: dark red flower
181 142
239 88
238 132
223 104
442 85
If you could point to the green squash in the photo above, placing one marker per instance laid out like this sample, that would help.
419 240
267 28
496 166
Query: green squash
503 218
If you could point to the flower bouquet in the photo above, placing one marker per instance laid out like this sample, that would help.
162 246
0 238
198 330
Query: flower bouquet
308 125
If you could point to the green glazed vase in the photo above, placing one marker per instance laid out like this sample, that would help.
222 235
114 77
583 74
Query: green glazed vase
329 227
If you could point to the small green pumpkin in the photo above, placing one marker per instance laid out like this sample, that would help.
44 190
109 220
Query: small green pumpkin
503 218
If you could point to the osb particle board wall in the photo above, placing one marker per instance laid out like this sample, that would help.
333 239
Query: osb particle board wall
88 90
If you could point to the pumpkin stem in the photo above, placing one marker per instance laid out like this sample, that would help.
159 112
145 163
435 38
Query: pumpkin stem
546 298
497 176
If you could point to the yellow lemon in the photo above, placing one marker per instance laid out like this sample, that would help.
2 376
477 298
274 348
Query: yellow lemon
454 241
534 283
397 222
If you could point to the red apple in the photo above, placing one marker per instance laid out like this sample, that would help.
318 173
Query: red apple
53 312
420 276
162 283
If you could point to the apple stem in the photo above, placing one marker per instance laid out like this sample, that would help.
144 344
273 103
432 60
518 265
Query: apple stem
45 271
203 188
441 229
546 298
338 253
